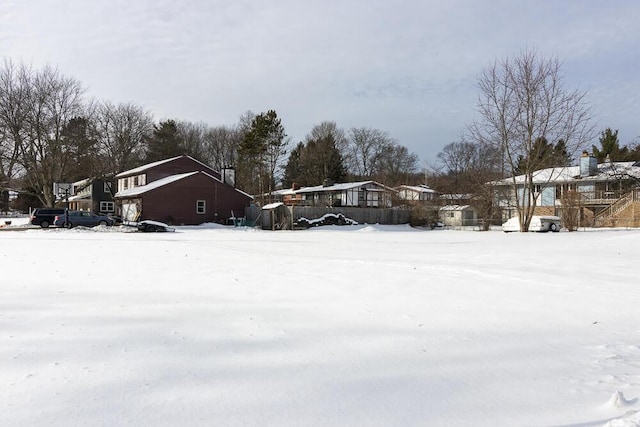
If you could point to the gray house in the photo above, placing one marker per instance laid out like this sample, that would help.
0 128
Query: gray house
93 195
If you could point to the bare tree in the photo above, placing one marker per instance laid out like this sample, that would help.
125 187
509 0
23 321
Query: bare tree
194 138
367 148
522 99
13 116
221 146
122 130
397 165
47 102
469 168
330 130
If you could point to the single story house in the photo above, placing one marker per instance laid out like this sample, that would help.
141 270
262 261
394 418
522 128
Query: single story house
179 190
363 194
416 193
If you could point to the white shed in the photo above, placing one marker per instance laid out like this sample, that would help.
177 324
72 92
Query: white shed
458 215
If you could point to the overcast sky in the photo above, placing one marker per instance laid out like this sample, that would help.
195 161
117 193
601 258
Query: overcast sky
406 67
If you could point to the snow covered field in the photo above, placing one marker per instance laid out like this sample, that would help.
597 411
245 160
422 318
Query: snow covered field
350 326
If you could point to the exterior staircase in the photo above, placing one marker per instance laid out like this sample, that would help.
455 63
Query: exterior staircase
624 212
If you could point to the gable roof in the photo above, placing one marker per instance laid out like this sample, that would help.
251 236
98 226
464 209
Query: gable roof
456 207
417 188
339 187
143 168
136 191
607 171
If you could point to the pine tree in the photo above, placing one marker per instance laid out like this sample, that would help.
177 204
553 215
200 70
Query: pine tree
164 143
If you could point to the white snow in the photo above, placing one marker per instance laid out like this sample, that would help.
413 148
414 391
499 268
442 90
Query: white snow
333 326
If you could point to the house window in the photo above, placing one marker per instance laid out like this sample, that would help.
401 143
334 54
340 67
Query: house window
201 206
537 188
107 207
107 187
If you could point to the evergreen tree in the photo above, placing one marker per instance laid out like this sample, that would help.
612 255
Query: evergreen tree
293 168
260 153
322 161
80 139
164 142
609 146
315 161
560 154
545 155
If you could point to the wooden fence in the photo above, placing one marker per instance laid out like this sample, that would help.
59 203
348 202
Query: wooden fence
360 215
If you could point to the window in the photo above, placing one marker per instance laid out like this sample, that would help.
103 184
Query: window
107 207
107 187
201 206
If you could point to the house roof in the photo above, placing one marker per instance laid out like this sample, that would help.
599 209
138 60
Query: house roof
456 196
339 187
136 191
82 182
272 205
84 196
607 171
417 188
143 168
140 169
455 207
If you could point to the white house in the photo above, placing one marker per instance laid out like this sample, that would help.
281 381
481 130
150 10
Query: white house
416 193
364 194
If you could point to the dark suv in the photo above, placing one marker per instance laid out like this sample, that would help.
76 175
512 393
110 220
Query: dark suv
44 217
84 218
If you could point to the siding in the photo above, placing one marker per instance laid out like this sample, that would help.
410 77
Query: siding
176 203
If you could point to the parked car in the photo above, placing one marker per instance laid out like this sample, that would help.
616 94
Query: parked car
540 223
83 218
44 217
153 226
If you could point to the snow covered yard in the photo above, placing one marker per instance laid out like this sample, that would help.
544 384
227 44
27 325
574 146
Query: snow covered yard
338 326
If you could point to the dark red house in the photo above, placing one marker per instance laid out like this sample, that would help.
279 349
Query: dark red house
180 191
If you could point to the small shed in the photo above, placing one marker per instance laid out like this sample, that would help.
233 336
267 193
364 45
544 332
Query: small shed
458 215
276 216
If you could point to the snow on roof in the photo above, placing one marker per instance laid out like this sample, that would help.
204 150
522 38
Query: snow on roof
145 167
82 183
606 172
272 205
83 196
135 191
283 192
456 196
339 187
455 207
418 188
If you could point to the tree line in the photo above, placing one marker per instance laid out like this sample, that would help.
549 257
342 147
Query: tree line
50 131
